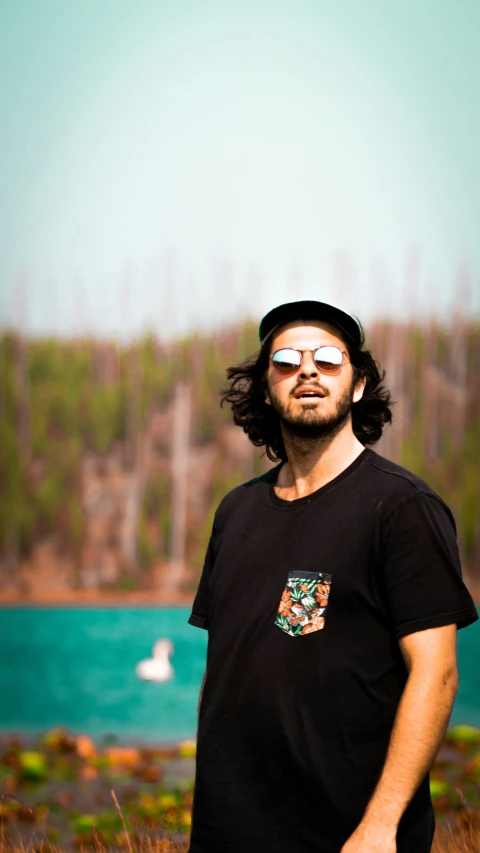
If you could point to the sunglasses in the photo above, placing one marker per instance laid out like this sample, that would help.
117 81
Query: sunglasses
327 359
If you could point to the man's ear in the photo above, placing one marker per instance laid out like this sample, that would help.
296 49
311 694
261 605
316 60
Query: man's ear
267 398
359 389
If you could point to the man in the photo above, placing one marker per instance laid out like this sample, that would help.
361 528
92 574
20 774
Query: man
332 592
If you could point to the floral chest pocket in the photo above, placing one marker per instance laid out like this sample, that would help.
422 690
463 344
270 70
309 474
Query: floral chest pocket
303 603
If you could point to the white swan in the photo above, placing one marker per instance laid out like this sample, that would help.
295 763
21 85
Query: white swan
159 667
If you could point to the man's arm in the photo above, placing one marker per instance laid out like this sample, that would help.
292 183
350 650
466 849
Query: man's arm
420 723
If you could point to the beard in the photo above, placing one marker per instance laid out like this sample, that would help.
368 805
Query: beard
310 423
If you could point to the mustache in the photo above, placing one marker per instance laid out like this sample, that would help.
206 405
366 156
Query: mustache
311 387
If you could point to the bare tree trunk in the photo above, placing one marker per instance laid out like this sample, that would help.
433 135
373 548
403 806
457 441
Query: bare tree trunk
23 398
134 500
389 354
133 389
10 496
181 438
458 375
139 452
430 392
394 366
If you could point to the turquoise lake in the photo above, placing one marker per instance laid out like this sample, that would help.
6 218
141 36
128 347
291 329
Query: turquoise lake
76 667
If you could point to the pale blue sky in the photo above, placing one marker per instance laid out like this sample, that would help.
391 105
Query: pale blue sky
181 163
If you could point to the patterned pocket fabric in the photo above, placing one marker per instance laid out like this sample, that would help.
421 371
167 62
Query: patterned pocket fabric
304 599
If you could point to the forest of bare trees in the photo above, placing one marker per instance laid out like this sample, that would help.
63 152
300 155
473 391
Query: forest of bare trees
114 457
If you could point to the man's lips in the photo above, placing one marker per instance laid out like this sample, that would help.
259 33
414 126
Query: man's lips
309 392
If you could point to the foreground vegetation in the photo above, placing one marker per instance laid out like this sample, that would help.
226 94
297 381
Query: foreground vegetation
64 792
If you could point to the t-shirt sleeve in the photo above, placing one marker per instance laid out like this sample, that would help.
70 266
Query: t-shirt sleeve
422 571
201 603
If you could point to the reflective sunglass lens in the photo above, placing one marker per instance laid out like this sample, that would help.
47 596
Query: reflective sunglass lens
328 358
286 360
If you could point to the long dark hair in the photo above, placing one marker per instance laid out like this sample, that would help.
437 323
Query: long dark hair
245 392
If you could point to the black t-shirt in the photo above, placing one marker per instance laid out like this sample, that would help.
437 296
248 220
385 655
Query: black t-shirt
304 602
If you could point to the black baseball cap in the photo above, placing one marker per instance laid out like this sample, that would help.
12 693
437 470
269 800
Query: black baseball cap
311 309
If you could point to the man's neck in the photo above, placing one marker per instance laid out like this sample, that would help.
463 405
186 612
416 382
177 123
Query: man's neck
312 463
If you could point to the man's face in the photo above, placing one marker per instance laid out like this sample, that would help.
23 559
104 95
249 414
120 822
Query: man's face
322 414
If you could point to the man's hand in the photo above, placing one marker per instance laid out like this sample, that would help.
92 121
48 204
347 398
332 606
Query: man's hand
371 838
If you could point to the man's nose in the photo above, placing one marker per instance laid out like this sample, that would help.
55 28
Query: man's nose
308 366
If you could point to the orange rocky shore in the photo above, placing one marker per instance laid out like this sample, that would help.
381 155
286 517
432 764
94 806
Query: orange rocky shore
51 597
97 598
